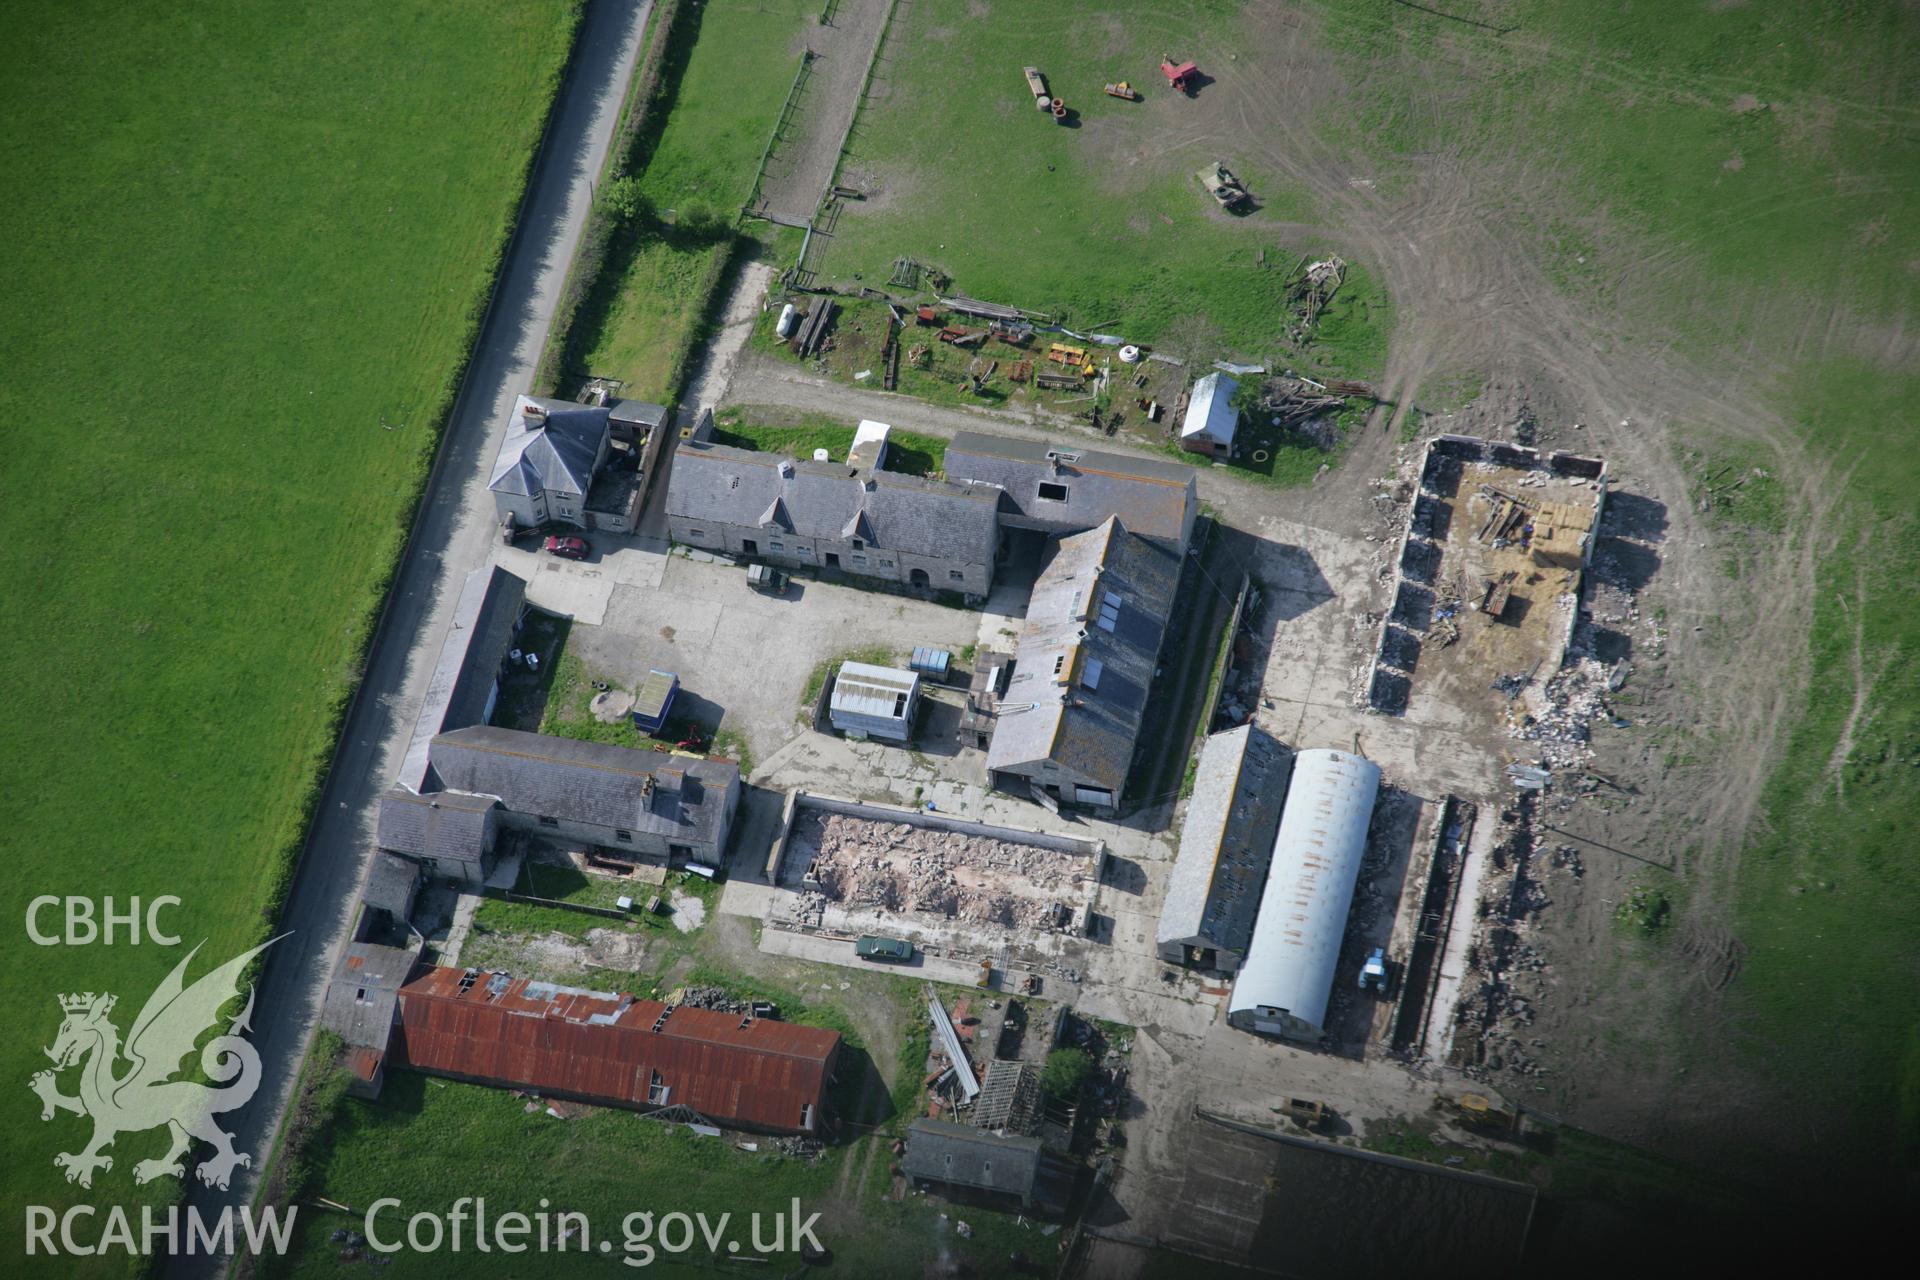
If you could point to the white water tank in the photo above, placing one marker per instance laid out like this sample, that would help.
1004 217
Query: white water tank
1129 354
821 455
784 325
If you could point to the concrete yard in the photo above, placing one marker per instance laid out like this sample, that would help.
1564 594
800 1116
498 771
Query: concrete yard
743 657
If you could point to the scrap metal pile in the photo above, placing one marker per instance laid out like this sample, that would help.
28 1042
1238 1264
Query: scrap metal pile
896 866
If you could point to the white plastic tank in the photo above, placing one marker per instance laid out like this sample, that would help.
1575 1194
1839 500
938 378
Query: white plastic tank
1043 102
1129 354
784 325
821 455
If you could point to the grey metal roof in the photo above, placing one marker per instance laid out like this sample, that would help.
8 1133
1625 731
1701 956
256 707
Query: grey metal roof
365 987
1303 909
939 1151
391 883
1154 499
1213 891
552 452
1085 660
447 826
824 499
589 782
491 602
1210 410
885 693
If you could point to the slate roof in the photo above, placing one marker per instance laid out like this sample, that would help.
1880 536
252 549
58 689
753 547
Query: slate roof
490 604
640 413
824 500
1213 891
1086 656
554 452
588 782
365 987
447 826
1154 499
390 885
1210 410
962 1156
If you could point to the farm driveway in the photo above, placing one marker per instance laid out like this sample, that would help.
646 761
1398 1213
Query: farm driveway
451 536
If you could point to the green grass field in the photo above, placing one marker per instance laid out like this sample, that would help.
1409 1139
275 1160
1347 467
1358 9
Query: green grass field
1785 179
972 180
256 248
729 69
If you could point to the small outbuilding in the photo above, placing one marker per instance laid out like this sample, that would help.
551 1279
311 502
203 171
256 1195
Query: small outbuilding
1005 1170
869 701
1211 418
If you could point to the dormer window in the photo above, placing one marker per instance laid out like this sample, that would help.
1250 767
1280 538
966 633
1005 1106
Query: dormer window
859 545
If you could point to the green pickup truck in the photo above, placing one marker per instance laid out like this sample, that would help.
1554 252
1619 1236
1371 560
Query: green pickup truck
885 950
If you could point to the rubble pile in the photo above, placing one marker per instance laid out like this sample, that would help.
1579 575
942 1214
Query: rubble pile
1558 715
896 866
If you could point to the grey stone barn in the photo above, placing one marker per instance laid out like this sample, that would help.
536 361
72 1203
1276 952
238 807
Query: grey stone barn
1213 892
1067 490
1003 1170
465 683
547 462
870 522
640 806
1073 708
452 835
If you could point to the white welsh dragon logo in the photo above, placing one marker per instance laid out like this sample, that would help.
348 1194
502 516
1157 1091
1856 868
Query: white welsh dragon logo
146 1096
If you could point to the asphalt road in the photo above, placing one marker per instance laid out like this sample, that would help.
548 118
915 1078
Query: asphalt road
452 535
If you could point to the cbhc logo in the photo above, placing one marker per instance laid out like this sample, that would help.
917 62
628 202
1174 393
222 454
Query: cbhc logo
84 926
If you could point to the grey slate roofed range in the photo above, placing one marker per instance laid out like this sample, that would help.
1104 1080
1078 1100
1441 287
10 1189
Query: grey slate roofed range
1213 891
490 604
554 453
939 1151
832 502
588 782
1086 657
365 988
1158 500
447 826
391 882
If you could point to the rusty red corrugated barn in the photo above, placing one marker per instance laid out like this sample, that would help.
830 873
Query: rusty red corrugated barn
494 1029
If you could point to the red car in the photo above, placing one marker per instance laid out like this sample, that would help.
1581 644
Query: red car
568 548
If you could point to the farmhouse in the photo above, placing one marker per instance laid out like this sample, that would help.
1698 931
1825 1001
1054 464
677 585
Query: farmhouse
860 520
546 465
1070 490
1287 980
1211 418
1213 892
1071 713
636 805
609 1048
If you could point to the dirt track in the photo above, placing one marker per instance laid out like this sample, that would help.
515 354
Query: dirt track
802 161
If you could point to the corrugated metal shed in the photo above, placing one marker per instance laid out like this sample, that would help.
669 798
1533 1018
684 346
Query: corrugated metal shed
932 662
874 700
1285 983
1213 892
605 1047
869 451
1210 412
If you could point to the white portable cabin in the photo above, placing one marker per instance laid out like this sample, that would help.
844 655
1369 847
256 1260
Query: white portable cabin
1287 978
